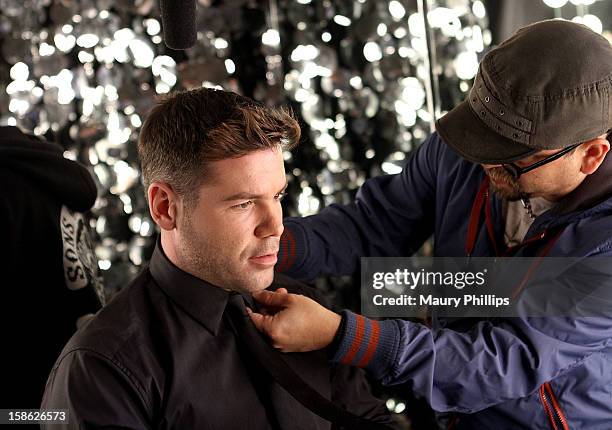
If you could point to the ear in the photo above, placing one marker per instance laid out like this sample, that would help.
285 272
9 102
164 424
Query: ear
594 153
163 205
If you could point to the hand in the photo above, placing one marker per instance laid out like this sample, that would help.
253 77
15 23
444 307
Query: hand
293 322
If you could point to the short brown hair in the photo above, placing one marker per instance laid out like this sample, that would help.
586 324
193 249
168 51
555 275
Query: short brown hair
187 130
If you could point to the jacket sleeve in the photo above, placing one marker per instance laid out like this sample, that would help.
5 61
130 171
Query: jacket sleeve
469 371
97 392
392 215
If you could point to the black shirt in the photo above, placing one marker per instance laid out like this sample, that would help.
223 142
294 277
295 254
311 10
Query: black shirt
162 354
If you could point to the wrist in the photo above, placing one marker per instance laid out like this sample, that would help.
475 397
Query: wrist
337 337
334 324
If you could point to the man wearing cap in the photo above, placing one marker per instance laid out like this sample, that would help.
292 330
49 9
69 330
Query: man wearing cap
518 169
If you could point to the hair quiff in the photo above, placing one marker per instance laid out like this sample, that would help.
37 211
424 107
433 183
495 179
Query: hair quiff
186 130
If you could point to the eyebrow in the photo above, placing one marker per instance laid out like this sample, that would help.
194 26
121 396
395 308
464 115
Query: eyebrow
249 196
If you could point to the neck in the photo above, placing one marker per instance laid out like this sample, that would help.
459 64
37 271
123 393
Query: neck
559 194
170 250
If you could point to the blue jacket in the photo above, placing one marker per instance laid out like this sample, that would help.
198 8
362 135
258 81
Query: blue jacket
543 373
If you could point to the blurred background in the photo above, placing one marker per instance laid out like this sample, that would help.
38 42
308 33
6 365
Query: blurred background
367 78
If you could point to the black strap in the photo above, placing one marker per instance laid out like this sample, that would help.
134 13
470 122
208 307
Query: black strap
274 364
260 380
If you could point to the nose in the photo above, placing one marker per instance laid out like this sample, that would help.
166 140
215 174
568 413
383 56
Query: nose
271 221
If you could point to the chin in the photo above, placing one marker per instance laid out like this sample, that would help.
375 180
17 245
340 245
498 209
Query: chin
264 280
505 192
256 282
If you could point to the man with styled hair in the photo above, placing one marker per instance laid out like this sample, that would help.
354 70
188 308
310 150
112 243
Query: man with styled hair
176 348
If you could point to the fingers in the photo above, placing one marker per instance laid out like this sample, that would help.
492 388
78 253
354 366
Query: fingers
271 309
257 318
265 324
269 298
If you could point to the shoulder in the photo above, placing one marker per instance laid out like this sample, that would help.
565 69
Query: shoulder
97 387
114 349
119 328
588 236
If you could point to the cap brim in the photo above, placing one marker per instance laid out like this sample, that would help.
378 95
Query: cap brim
463 131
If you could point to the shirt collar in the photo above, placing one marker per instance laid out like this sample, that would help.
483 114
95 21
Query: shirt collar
200 299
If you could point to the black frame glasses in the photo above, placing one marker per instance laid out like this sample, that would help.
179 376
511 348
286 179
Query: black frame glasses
517 171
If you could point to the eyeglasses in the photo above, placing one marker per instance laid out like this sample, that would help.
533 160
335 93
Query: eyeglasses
517 171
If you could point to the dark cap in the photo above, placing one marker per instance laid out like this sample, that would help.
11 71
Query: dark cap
547 87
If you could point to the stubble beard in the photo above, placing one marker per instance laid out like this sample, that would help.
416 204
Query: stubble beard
213 264
513 192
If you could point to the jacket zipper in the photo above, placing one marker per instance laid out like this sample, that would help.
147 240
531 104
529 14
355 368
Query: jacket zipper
552 408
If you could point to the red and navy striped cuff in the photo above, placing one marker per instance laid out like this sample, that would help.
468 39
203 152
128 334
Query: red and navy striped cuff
367 343
291 253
